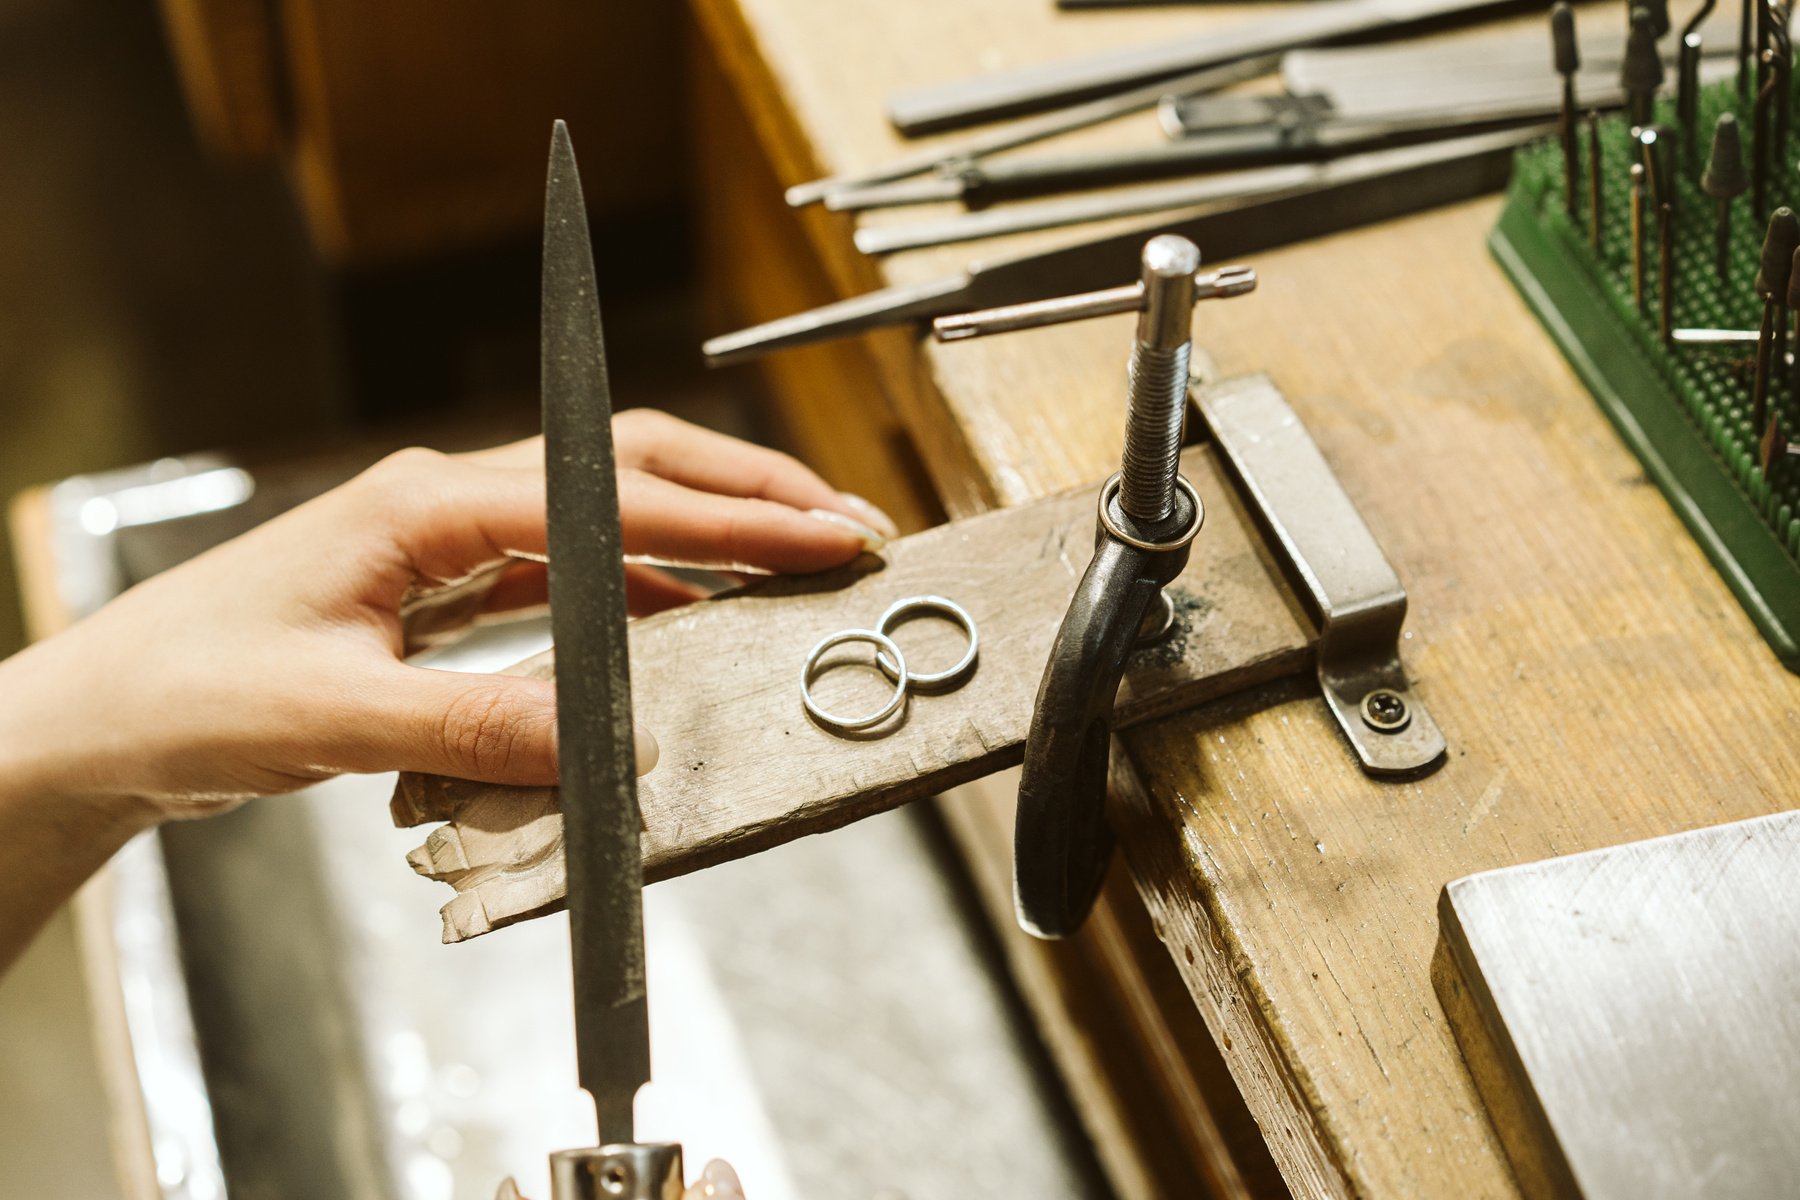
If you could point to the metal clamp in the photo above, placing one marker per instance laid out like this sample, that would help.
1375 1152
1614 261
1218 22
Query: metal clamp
1148 517
1342 574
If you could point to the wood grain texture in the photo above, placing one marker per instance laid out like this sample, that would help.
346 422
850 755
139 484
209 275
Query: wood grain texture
1595 679
747 769
1641 1001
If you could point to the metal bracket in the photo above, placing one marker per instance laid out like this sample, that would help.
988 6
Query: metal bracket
1343 575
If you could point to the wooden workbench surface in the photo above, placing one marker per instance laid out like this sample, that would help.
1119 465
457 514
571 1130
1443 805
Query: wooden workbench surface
1595 679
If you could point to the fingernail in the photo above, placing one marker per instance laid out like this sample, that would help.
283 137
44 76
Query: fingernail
722 1179
871 540
644 745
873 517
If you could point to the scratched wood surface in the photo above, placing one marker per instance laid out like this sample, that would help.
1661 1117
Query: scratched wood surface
747 769
1595 679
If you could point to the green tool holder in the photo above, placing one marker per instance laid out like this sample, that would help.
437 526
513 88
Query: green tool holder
1684 411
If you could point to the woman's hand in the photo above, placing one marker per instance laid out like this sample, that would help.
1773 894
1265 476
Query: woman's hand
275 660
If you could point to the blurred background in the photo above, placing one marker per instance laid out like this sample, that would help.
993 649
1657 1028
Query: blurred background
271 226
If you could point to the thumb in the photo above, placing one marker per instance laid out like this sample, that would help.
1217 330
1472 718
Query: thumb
488 728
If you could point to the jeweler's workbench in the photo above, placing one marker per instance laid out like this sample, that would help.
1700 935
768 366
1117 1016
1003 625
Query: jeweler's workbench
1595 679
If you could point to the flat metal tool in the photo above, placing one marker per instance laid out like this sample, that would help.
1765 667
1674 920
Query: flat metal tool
1629 1014
1045 85
1033 129
977 184
1230 187
1090 263
1343 577
597 776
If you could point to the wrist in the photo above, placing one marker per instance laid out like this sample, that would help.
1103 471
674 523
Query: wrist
45 767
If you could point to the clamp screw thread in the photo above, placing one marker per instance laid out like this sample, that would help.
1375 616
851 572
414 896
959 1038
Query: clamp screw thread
1157 404
1156 411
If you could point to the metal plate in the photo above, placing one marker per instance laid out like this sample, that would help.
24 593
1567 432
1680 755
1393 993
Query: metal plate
1642 1005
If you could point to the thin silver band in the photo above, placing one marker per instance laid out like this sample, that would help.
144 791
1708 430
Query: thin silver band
883 644
899 609
1110 488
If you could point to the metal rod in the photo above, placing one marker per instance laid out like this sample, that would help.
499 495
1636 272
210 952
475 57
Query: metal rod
1687 100
1765 345
1723 237
1221 283
1230 187
1743 75
1043 85
1157 400
1713 337
1760 147
1035 129
1665 273
978 184
1687 96
1637 235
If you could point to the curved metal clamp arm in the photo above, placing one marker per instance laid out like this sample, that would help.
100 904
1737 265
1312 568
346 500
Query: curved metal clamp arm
1061 842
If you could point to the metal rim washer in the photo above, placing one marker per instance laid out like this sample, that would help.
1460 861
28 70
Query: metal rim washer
937 604
883 644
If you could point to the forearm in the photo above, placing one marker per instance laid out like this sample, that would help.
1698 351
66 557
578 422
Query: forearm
47 851
52 836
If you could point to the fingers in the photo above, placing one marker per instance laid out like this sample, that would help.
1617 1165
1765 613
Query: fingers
717 1182
489 728
526 452
666 520
715 462
448 517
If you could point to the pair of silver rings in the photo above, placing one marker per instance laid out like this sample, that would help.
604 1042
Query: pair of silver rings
891 661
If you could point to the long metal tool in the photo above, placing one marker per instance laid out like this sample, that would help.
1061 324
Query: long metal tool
981 183
1034 129
1090 263
597 775
1044 85
1223 188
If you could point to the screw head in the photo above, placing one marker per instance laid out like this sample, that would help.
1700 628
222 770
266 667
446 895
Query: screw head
1385 711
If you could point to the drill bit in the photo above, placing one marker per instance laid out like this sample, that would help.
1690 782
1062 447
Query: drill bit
1594 196
1687 82
1642 71
1665 273
1655 146
1743 55
1724 181
1567 58
1791 354
1772 279
1637 235
1760 139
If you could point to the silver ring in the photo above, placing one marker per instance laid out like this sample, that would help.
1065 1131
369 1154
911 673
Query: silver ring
882 643
937 604
1110 488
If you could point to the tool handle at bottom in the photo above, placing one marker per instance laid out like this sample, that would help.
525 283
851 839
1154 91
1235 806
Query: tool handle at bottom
624 1171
